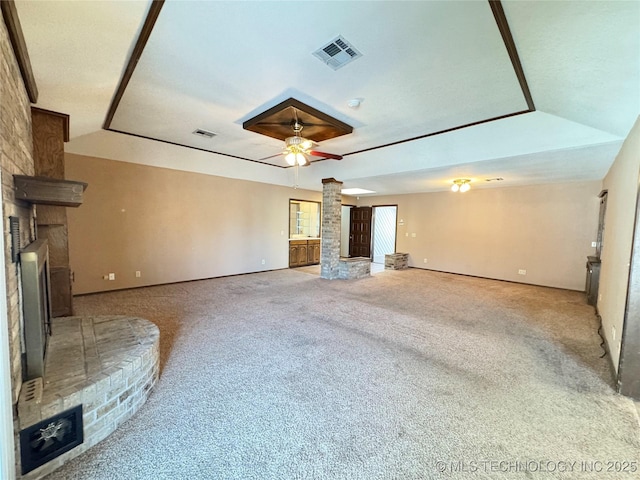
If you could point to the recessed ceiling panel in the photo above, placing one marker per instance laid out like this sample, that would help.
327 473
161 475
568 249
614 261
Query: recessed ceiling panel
425 67
279 122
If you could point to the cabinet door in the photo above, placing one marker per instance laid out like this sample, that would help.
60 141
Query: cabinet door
297 253
313 255
302 255
293 256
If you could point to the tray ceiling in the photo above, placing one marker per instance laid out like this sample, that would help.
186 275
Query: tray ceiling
439 88
426 67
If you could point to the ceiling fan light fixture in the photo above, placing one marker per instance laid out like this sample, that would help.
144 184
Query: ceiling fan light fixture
461 185
291 158
300 159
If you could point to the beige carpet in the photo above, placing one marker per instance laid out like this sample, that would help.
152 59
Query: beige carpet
404 375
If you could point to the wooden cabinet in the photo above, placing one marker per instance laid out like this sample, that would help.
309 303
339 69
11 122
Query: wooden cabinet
304 252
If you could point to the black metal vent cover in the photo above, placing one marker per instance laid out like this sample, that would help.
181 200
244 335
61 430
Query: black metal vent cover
50 438
14 228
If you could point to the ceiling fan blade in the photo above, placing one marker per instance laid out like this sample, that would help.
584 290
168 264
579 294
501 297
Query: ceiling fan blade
331 156
273 156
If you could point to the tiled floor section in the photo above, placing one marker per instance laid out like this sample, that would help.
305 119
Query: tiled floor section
108 364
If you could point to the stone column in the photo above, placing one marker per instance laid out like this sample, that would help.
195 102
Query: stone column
331 216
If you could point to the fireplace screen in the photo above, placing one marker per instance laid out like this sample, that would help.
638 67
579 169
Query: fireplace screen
36 305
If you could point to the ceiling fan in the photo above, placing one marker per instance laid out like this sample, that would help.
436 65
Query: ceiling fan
286 121
297 148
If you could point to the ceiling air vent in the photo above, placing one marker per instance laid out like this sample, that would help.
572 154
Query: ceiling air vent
337 53
204 133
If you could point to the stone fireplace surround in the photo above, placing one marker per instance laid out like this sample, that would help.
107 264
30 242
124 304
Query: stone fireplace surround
108 364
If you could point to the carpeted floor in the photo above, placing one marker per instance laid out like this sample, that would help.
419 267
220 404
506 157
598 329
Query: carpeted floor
404 375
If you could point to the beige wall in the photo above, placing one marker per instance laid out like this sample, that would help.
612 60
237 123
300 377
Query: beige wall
171 225
175 226
622 184
546 230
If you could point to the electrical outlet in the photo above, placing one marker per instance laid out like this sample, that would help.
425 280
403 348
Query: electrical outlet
522 272
112 276
282 233
264 261
424 261
413 235
406 234
138 274
594 244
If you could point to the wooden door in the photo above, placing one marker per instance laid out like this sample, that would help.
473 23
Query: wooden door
360 232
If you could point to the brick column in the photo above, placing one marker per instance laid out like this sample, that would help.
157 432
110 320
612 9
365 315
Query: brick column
331 216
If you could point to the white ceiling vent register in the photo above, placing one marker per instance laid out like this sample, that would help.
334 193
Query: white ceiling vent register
203 133
337 53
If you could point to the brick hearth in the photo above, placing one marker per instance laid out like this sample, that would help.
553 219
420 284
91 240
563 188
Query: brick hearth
109 364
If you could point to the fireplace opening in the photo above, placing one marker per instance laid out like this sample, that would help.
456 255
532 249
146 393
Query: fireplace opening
36 306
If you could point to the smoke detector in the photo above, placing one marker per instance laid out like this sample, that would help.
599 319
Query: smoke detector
337 53
354 103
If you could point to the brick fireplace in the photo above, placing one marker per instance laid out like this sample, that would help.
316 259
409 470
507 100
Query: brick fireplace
107 366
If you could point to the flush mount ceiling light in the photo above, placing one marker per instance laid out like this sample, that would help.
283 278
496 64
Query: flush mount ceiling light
461 185
355 191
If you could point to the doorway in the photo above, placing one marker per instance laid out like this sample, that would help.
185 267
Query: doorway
345 233
384 231
372 231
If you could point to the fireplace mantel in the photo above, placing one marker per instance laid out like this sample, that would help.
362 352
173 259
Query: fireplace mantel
49 191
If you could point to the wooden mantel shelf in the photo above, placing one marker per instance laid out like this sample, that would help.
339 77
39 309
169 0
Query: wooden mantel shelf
49 191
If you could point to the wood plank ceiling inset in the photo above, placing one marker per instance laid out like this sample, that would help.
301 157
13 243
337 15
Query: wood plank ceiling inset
277 122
